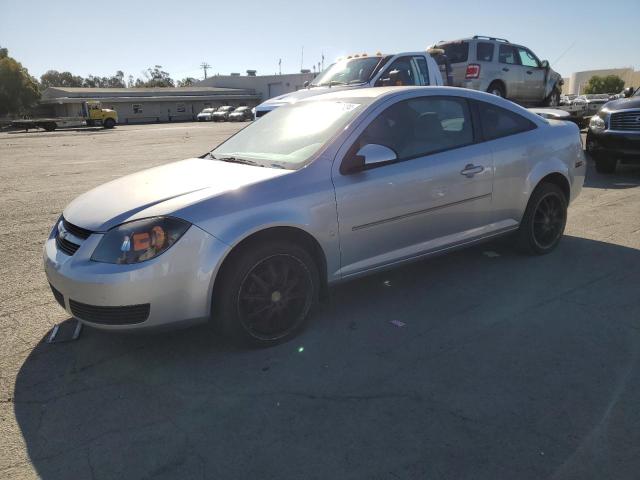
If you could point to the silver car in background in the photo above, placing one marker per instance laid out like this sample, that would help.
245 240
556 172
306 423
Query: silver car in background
502 68
321 191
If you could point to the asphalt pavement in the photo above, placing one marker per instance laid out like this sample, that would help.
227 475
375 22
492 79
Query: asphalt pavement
482 364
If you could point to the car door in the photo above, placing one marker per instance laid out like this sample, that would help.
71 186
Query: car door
512 72
436 194
533 78
403 71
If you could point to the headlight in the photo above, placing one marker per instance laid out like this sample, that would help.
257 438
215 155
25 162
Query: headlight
140 240
596 124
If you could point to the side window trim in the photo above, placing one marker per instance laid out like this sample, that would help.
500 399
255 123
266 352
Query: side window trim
417 59
475 129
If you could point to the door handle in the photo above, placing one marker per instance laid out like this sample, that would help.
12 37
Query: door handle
505 69
529 72
470 170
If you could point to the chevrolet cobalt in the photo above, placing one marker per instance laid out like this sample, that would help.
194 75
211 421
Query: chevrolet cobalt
323 190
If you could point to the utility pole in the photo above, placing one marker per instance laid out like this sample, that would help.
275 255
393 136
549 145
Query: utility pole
280 66
302 58
204 66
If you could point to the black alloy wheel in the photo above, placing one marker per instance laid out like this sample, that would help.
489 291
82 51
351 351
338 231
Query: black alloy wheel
275 297
544 220
549 220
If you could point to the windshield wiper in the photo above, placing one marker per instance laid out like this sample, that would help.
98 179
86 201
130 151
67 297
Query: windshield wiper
331 83
243 161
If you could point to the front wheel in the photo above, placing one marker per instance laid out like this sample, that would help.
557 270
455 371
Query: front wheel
605 164
543 221
266 293
109 123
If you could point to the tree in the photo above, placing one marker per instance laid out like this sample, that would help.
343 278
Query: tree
18 90
608 84
187 82
54 78
115 81
155 77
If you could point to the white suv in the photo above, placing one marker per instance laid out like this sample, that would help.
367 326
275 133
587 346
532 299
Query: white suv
498 66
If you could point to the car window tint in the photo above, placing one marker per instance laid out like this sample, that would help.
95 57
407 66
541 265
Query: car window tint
457 52
508 54
526 58
498 122
421 65
484 52
401 72
417 127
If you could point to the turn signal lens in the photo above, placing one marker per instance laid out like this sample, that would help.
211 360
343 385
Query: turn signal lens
140 240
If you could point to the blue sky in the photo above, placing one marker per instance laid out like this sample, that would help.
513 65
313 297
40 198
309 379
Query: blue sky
232 36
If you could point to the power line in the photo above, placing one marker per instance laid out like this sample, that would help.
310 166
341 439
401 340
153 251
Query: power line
204 66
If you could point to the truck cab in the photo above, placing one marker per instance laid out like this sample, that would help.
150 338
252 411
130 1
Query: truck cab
96 115
362 71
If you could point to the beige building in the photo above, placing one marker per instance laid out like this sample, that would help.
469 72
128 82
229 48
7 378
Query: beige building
266 86
141 105
578 80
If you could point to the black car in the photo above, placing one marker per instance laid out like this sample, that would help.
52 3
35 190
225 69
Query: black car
614 132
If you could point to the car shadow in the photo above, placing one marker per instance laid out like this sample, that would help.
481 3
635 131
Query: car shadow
625 176
482 363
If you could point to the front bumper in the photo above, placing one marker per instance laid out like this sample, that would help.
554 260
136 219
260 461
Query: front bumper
624 145
175 287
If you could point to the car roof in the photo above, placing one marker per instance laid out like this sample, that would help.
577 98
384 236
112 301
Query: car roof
376 94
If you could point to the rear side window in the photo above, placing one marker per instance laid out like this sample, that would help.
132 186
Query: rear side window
456 52
484 52
497 122
508 54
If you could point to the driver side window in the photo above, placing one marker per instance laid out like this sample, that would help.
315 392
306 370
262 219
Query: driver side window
400 73
420 126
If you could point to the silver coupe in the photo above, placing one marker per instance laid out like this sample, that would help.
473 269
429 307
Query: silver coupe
317 192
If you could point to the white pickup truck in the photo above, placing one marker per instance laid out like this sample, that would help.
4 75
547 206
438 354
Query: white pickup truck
361 71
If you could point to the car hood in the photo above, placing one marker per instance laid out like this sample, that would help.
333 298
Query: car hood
624 103
302 94
204 113
161 191
220 113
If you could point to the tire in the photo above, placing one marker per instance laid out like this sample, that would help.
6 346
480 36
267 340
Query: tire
553 100
605 164
266 293
497 89
109 123
543 221
49 126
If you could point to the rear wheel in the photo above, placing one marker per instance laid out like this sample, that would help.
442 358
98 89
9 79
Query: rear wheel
497 89
109 123
49 126
553 100
266 293
544 220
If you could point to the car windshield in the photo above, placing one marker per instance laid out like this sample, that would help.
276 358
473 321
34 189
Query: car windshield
289 136
346 72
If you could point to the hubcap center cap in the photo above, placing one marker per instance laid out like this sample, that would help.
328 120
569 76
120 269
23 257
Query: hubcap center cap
276 296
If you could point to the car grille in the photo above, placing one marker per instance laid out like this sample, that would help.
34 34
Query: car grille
625 121
79 233
57 295
110 315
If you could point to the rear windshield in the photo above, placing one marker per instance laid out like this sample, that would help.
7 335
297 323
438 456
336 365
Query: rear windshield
457 52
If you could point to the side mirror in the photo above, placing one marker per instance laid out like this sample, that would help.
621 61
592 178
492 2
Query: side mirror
305 84
368 156
545 64
390 81
628 92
